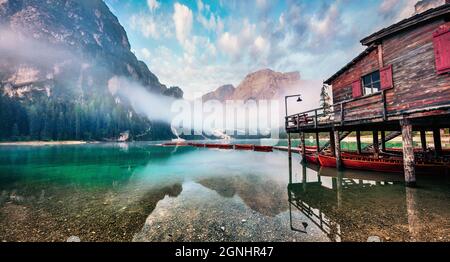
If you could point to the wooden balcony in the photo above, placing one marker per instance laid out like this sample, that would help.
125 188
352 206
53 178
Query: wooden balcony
367 110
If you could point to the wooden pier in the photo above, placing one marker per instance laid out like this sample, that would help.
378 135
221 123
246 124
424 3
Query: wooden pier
398 85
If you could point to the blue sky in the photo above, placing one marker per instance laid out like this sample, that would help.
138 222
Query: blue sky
200 45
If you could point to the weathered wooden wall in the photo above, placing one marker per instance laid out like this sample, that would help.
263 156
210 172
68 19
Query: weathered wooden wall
342 89
416 83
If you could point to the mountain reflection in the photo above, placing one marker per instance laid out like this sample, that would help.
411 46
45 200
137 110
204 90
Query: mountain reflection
259 193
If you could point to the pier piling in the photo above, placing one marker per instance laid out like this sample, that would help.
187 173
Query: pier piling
337 141
437 142
358 141
302 139
423 140
376 148
408 153
332 144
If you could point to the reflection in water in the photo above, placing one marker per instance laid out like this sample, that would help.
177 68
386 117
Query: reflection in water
354 205
110 192
253 190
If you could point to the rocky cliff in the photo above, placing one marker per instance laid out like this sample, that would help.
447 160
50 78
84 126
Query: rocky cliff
56 57
263 84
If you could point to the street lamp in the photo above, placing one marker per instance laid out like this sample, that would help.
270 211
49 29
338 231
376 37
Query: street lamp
299 99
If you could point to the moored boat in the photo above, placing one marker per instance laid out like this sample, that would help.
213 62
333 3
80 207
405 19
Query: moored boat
243 147
312 159
263 148
391 165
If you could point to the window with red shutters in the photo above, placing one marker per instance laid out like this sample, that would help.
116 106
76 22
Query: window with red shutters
356 89
441 41
386 77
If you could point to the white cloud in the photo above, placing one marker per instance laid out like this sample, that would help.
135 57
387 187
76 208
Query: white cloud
149 26
153 5
200 5
387 5
261 45
182 19
145 53
328 24
229 44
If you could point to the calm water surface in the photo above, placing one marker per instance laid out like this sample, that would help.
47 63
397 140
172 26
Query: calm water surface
143 192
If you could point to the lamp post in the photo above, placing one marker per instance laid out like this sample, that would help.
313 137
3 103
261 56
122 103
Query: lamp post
299 99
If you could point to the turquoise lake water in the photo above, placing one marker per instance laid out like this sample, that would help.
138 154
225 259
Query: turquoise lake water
144 192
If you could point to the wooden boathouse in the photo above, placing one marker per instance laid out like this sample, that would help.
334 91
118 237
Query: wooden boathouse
399 84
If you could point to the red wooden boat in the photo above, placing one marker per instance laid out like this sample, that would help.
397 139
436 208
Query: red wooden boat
312 158
243 147
175 144
263 148
225 146
220 146
392 165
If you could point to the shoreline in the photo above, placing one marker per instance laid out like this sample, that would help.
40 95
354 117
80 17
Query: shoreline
45 143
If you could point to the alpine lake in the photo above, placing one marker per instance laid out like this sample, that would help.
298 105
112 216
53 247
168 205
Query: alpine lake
145 192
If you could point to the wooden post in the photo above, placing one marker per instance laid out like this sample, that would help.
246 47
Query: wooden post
339 180
304 177
302 139
408 153
437 142
317 142
289 147
423 140
290 170
358 141
337 141
376 148
332 144
413 214
383 141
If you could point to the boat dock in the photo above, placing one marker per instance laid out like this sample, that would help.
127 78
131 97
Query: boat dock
398 86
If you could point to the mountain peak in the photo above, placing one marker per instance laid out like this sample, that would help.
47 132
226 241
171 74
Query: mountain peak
262 84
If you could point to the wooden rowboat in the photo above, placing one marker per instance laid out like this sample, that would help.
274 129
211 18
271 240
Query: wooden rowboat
243 147
220 146
263 148
391 165
312 159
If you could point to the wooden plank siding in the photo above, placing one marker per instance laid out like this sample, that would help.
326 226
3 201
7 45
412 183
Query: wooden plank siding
416 82
342 89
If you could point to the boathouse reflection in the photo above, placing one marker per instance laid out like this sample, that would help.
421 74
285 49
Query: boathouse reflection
353 202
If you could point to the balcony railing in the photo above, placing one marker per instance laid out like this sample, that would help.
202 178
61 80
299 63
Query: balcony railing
359 109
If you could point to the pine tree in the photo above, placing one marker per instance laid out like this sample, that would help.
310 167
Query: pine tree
325 100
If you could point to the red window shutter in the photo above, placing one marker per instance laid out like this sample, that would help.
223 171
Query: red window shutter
386 77
441 41
356 89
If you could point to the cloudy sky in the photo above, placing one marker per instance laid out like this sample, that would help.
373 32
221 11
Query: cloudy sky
200 45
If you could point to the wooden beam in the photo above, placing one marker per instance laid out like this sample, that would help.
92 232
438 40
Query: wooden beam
437 142
376 148
289 147
302 140
383 141
332 144
380 55
317 142
337 140
423 140
358 141
408 153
